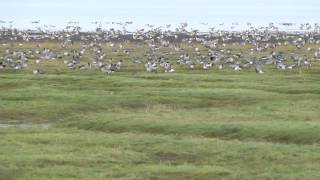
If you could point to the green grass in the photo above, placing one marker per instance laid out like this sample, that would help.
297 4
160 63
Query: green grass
136 125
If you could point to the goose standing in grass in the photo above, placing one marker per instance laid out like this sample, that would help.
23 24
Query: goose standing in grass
259 69
2 66
168 67
84 66
106 68
206 66
150 67
36 72
110 68
236 67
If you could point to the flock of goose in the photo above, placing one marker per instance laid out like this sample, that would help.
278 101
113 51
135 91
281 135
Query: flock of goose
166 50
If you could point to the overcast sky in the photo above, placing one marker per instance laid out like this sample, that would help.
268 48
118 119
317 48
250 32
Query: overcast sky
159 12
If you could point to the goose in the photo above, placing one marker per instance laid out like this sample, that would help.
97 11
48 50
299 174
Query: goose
236 67
84 66
281 66
72 64
2 66
106 68
206 66
150 67
168 67
118 65
16 65
36 72
114 67
259 69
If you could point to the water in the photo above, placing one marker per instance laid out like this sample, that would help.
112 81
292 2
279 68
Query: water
160 13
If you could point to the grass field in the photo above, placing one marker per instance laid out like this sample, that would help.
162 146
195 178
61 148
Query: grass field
192 124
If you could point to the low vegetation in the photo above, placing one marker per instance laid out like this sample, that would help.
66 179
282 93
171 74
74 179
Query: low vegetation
190 124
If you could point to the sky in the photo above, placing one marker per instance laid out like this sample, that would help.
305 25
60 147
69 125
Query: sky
158 12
